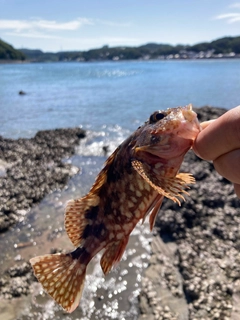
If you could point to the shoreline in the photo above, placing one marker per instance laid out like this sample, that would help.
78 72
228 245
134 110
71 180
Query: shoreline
116 61
193 272
14 61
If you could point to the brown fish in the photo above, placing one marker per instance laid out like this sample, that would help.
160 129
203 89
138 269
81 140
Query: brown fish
135 179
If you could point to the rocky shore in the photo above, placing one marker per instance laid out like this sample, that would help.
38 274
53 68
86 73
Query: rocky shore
194 271
29 170
32 168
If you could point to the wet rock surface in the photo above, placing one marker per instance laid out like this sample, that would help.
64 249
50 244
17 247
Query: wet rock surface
194 272
32 168
16 281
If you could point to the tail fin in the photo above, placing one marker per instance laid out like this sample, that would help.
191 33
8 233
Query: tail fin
62 276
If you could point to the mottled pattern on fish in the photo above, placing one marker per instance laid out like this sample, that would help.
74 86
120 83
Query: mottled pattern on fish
132 184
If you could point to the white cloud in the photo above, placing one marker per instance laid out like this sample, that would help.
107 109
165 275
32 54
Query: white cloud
32 32
229 17
53 25
17 25
20 25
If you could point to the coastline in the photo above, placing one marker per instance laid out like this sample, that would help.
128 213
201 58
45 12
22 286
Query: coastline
122 60
14 61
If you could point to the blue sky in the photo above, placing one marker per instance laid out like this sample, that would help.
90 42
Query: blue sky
56 25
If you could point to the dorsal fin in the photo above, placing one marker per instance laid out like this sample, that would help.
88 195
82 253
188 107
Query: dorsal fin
102 176
81 212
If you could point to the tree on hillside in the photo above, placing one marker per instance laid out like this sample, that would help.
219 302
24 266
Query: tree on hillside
7 52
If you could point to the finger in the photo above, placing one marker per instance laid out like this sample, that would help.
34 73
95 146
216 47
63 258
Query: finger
237 189
219 136
228 166
205 124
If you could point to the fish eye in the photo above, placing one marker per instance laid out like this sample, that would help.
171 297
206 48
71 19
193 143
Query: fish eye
156 116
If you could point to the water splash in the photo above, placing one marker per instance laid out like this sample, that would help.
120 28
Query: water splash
103 142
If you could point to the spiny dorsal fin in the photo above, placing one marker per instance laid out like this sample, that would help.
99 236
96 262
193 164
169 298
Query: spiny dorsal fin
102 176
168 187
81 212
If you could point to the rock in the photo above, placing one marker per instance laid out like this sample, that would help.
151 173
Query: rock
32 168
19 270
105 150
16 281
207 113
202 272
3 168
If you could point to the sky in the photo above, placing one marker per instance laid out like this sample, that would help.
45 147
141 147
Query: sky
78 25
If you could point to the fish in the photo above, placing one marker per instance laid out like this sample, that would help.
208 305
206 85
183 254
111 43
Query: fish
132 185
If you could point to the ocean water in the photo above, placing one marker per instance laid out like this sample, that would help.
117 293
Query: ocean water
109 96
109 100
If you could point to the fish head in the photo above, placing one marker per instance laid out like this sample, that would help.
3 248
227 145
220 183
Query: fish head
167 134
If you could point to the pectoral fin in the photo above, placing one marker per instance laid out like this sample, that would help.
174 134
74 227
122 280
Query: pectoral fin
168 187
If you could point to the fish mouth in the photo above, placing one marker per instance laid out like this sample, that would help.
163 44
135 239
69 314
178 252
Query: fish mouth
154 153
153 149
188 113
149 157
190 126
172 137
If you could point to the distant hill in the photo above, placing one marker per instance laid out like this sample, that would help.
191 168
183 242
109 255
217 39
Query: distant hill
223 45
227 47
7 52
39 56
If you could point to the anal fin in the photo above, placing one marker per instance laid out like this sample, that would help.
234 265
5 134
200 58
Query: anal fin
113 254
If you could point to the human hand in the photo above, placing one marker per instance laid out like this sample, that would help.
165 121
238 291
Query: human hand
219 141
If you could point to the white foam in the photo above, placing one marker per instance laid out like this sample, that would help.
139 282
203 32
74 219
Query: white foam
107 138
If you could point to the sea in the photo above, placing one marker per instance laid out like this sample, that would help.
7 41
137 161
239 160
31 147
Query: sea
109 96
109 100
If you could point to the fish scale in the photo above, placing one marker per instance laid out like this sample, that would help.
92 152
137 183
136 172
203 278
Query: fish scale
132 184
